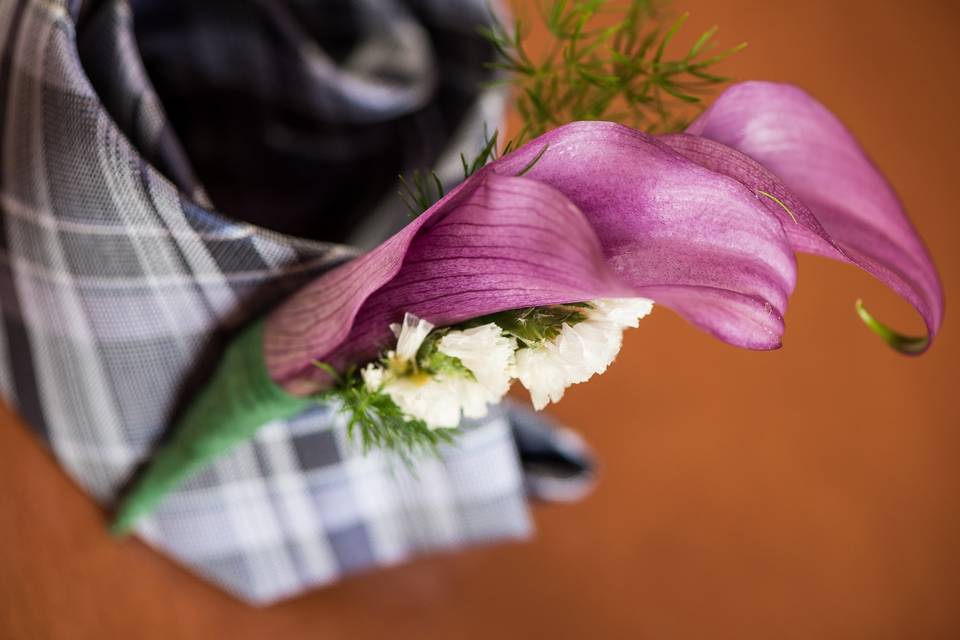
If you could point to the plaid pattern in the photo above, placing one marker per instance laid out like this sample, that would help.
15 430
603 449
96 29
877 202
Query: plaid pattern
118 290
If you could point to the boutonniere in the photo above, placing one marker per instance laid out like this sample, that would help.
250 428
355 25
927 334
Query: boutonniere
530 269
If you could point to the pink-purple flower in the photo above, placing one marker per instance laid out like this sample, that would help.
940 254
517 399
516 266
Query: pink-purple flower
705 222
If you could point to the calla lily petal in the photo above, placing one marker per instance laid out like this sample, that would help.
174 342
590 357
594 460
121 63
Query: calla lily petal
858 217
496 243
687 237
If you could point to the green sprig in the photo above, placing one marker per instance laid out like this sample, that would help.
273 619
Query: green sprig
420 192
423 190
618 72
375 419
595 70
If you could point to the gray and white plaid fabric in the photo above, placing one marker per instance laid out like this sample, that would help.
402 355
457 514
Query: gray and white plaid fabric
118 281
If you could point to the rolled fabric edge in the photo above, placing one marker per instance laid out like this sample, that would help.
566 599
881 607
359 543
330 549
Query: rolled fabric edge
240 398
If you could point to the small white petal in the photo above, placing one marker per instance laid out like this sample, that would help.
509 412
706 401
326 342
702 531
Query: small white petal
372 376
474 397
542 370
625 312
430 400
441 406
486 352
410 335
588 348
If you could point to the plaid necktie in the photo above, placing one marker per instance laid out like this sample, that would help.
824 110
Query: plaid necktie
119 280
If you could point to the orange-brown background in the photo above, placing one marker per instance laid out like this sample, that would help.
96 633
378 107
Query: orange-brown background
812 492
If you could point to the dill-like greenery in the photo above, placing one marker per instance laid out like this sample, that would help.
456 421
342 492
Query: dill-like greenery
607 61
603 66
423 190
375 419
420 192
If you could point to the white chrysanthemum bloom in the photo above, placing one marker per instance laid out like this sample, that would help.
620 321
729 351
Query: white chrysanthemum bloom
439 400
486 353
580 351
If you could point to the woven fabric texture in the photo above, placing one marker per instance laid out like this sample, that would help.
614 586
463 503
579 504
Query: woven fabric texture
120 281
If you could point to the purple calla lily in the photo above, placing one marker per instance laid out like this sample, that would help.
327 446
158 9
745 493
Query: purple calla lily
705 223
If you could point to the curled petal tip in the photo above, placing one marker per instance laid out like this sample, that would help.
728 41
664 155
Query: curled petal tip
909 345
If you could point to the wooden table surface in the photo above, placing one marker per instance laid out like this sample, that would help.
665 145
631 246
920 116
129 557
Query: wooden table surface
806 493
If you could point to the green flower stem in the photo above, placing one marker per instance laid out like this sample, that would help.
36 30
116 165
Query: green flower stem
239 399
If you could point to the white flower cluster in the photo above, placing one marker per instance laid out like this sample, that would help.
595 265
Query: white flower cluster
491 360
547 368
439 399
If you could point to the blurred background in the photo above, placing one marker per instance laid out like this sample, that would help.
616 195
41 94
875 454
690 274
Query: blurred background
810 492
